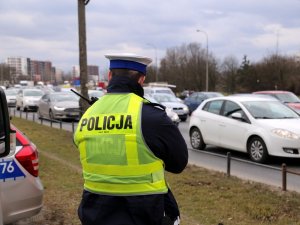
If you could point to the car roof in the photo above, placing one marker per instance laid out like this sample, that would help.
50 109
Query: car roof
209 92
30 89
271 92
241 98
254 95
157 88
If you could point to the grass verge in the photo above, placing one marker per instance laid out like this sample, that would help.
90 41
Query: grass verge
204 197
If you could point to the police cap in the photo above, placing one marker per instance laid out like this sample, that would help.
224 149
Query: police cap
129 61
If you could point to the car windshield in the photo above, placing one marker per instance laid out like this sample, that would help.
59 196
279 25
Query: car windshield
287 97
151 99
11 92
63 98
164 91
165 98
37 93
269 110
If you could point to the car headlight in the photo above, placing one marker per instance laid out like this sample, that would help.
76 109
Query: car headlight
286 134
173 115
59 108
185 108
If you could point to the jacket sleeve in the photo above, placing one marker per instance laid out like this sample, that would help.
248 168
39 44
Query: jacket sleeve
164 139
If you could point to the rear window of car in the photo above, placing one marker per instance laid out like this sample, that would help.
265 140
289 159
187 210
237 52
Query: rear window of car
213 106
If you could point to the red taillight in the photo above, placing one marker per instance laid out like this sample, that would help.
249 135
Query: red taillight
28 158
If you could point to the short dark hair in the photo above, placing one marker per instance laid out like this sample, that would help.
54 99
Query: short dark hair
132 74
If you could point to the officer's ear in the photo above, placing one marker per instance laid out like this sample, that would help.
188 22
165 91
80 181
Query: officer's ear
109 75
141 80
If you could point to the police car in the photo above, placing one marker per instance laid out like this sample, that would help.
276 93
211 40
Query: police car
21 191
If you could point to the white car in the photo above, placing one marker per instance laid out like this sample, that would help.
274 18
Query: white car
11 96
261 127
169 111
170 101
27 99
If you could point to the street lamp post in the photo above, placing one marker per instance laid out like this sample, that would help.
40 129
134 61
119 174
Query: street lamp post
156 68
206 87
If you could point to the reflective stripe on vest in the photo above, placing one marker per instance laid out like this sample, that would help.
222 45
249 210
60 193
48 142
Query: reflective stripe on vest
113 154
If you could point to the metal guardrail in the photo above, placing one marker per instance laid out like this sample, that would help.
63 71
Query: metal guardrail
284 175
284 170
20 115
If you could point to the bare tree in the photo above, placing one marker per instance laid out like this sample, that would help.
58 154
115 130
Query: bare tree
279 72
229 70
185 66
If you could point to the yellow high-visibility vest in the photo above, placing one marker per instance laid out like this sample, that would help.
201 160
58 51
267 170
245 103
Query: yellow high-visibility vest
114 156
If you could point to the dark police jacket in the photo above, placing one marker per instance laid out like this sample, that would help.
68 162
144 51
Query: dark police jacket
167 143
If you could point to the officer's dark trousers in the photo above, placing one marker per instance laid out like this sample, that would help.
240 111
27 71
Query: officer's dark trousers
97 209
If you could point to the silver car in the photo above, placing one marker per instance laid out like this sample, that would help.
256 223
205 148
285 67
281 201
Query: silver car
59 105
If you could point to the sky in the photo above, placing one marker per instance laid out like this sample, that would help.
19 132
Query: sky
48 30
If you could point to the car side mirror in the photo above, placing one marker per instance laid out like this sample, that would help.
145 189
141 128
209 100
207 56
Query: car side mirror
4 126
237 115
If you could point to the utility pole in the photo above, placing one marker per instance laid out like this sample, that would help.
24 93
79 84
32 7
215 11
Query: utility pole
82 53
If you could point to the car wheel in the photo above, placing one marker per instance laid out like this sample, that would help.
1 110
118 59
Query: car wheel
197 139
257 150
39 114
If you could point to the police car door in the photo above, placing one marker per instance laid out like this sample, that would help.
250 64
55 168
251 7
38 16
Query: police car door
4 135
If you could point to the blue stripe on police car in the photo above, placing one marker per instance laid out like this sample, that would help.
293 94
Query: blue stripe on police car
10 170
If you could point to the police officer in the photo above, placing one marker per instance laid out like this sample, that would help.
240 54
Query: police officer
125 144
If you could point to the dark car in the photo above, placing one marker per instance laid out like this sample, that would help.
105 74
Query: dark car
194 100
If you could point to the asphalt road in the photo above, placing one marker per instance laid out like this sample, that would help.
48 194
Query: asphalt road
215 158
240 166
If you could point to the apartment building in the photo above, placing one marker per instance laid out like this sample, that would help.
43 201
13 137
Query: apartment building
92 72
21 65
28 69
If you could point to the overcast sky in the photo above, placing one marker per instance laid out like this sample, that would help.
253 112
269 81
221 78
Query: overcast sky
48 29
